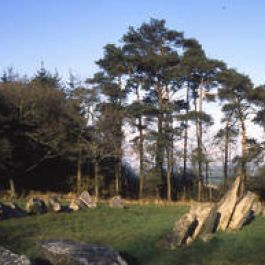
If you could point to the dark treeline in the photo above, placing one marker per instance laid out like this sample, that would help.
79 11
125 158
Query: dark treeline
154 86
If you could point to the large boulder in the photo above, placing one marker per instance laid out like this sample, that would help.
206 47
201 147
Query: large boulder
62 252
117 202
243 212
36 206
228 204
87 199
182 230
10 209
7 257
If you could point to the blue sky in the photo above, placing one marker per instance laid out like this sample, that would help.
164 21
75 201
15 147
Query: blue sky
71 34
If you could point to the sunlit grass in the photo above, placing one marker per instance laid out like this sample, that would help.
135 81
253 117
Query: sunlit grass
135 232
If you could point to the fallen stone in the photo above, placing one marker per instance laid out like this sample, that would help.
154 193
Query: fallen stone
62 252
36 206
243 213
117 202
87 199
182 230
7 257
228 204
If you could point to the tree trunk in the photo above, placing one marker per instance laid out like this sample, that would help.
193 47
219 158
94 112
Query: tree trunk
159 148
244 156
141 153
78 173
117 174
199 175
226 155
96 171
169 165
200 184
12 188
185 155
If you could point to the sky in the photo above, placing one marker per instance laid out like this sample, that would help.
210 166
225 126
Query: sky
70 34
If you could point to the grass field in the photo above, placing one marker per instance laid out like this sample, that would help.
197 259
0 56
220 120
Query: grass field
134 232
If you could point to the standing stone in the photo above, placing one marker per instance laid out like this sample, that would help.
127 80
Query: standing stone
87 199
36 206
242 212
117 202
62 252
182 230
227 205
7 257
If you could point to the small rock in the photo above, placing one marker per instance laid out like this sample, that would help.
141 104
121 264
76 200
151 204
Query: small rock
53 204
36 206
117 202
7 257
62 252
74 205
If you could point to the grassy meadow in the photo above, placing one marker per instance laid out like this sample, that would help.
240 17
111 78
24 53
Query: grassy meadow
135 232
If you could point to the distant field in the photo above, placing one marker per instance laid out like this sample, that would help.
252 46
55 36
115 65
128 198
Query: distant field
134 232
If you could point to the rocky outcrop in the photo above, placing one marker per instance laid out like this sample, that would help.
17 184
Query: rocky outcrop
61 252
203 219
7 257
36 206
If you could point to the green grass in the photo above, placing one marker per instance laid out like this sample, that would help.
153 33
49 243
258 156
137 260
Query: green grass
135 233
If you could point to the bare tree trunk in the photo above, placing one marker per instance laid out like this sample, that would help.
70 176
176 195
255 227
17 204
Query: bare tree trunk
226 155
141 153
141 149
117 173
159 147
12 188
199 176
96 172
169 164
244 156
185 158
200 184
78 173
